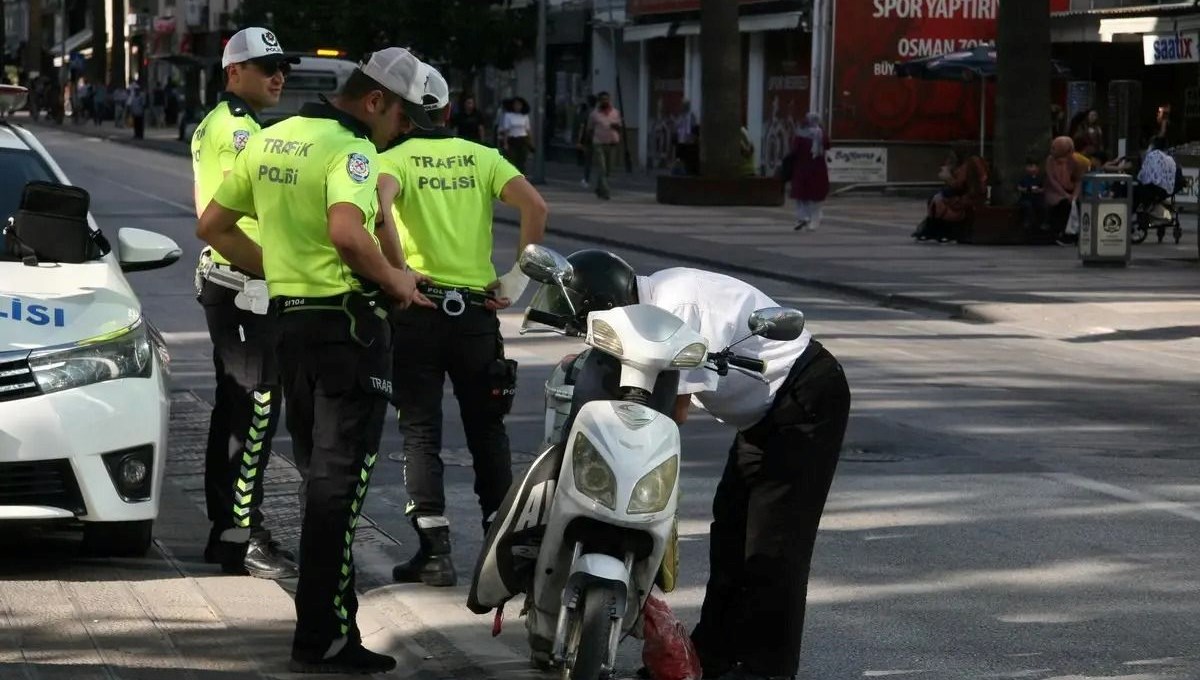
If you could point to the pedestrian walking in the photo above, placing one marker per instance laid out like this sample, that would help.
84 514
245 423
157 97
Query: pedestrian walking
687 139
779 470
248 404
99 103
443 188
137 109
809 172
120 97
604 127
583 139
516 136
313 190
467 121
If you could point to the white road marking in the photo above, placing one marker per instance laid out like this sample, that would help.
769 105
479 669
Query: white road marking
1149 501
190 210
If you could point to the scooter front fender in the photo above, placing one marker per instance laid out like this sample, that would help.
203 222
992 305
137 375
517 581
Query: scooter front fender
593 567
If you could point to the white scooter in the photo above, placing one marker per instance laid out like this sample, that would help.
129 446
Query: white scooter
586 532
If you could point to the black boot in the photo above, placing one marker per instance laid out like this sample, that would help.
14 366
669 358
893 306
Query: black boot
353 660
264 559
431 565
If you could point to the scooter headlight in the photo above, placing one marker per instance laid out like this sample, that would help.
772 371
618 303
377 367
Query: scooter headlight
653 492
593 477
692 356
604 337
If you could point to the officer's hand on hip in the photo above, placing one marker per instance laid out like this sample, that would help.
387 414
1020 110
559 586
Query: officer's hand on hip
496 303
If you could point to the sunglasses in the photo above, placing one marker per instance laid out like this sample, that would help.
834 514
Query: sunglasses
269 67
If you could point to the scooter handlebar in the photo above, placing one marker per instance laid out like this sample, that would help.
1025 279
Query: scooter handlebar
756 365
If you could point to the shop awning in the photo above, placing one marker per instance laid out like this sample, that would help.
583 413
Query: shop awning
754 23
73 43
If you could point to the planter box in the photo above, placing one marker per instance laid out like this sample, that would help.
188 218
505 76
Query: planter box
686 190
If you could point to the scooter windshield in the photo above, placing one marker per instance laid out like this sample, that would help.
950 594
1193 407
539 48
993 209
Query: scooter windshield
549 307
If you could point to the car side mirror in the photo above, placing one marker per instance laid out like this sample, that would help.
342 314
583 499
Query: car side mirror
777 323
142 250
544 265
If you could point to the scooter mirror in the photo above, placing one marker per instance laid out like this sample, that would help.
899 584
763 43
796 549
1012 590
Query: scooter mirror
544 265
777 323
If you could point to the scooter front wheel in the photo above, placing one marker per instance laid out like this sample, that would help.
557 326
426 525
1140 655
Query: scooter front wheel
587 643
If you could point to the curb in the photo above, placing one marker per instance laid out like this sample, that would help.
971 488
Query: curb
125 136
899 301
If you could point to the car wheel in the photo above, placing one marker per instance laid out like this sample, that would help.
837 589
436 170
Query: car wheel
118 539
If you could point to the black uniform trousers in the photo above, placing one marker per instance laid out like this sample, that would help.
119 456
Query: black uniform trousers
245 411
429 345
336 380
765 515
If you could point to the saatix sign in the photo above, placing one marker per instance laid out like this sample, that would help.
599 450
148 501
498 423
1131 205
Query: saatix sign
1174 48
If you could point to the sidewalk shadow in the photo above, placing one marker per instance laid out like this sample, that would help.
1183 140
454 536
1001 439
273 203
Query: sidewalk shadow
1161 334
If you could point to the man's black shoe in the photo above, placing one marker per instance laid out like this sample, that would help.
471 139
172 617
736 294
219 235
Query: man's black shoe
432 564
264 560
353 660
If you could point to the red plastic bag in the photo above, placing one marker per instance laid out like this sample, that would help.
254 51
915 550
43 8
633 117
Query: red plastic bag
668 652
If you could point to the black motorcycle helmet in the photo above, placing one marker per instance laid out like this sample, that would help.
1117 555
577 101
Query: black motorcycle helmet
599 280
602 281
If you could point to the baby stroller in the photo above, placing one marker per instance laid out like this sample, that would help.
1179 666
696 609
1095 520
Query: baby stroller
1157 210
1159 216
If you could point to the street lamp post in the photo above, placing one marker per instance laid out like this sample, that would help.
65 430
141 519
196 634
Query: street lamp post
539 96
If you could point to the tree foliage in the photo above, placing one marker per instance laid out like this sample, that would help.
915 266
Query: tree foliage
462 34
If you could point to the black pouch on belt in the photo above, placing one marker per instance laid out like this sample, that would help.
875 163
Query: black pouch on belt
502 384
368 317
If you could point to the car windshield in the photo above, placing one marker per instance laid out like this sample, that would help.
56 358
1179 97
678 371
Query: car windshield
18 167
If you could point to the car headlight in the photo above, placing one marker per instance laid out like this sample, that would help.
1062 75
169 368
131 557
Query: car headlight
123 354
653 492
691 356
604 338
593 477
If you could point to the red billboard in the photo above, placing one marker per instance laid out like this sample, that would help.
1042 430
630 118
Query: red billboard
641 7
871 103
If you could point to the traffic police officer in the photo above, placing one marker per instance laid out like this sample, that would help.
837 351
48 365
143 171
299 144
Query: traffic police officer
311 180
246 409
443 188
769 502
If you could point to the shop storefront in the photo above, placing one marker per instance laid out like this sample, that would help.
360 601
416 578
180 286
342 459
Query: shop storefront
776 51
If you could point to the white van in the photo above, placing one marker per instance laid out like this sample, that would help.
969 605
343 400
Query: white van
311 77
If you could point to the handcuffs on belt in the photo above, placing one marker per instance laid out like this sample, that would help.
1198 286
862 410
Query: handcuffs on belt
252 294
454 303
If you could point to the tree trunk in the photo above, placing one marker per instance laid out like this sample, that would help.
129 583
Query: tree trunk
721 89
1022 92
116 75
33 48
98 66
3 47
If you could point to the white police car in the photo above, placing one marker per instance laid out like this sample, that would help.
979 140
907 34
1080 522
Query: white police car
84 400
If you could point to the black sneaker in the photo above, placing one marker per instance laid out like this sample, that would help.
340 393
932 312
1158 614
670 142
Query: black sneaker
353 660
265 560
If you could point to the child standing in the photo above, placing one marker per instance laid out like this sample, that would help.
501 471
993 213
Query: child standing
1031 196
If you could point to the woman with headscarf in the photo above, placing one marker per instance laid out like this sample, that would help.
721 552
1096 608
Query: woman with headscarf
1064 180
810 173
966 179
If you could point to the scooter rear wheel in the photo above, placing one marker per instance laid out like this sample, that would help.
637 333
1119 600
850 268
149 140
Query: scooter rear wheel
587 643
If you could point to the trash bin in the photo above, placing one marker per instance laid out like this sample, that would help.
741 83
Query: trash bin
1106 206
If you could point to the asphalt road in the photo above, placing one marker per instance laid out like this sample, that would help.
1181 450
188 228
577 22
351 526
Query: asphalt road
1008 506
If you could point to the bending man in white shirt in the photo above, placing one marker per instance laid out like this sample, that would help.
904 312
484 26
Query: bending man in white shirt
770 498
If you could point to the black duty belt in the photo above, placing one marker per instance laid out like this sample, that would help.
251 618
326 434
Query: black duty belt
454 301
333 303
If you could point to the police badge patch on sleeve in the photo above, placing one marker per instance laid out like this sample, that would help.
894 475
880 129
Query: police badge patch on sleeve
358 167
240 137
